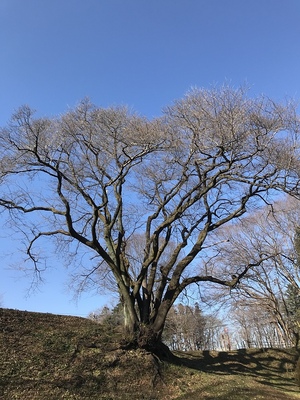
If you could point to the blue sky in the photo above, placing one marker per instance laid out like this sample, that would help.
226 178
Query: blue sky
141 53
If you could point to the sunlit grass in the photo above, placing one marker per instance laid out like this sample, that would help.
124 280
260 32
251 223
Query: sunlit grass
49 357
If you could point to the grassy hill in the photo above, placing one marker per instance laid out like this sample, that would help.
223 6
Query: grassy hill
46 356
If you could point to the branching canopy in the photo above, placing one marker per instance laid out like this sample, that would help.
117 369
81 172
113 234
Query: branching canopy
104 177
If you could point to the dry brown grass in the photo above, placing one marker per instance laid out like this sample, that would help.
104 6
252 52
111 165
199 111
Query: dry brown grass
45 357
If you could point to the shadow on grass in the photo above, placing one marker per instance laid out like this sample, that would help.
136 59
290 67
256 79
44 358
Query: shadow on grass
269 367
234 394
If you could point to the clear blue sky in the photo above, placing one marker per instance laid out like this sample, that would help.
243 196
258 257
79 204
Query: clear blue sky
142 53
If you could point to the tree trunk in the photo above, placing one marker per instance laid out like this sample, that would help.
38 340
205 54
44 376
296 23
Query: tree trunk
145 335
150 335
150 340
129 320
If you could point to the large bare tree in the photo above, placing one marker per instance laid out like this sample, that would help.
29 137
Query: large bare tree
97 177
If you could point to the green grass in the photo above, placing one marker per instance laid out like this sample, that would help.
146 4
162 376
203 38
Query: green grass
45 357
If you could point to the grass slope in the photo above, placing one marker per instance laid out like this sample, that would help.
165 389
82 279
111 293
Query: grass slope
46 356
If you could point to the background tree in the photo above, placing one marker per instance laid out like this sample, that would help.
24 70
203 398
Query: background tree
254 326
112 317
94 177
269 291
185 328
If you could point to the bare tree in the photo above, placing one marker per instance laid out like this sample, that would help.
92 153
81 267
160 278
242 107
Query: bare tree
256 326
270 234
94 177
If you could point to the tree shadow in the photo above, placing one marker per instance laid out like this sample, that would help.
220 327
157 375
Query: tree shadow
270 367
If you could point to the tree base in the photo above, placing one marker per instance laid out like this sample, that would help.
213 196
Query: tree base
147 340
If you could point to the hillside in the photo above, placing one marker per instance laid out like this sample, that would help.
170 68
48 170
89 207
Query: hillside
45 357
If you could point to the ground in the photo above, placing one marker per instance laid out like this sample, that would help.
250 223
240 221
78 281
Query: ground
46 356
